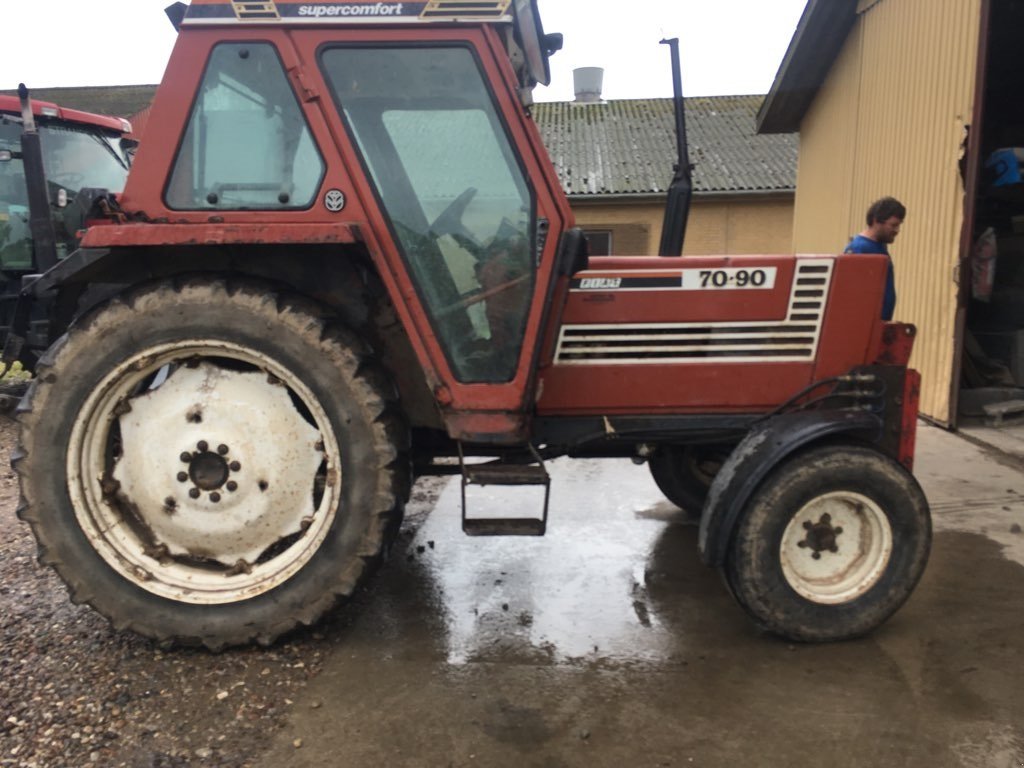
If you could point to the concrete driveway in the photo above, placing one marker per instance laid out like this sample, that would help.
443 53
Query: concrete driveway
607 643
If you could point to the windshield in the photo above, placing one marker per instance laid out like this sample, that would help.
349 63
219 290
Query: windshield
74 157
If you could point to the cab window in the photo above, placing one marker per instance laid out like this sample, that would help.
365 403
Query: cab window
247 145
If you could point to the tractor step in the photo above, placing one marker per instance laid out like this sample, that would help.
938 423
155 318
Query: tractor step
508 526
505 474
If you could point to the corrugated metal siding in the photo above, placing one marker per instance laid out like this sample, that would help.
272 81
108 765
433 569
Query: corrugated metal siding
890 119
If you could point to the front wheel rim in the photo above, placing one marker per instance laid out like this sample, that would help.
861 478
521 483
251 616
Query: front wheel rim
204 472
836 548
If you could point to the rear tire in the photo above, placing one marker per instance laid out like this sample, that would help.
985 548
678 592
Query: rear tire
211 464
832 544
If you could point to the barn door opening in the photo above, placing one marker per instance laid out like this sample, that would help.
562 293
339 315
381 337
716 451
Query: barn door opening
991 317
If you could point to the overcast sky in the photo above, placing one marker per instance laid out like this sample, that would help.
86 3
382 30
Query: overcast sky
728 46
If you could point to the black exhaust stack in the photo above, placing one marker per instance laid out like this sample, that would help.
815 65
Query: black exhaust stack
44 241
680 191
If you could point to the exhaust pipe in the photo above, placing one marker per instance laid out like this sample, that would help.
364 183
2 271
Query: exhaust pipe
44 241
680 191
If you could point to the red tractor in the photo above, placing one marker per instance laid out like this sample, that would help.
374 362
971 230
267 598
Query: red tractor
52 162
343 259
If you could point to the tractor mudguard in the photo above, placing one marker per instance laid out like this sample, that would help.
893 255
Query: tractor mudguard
765 446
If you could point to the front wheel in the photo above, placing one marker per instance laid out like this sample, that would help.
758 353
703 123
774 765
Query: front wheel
210 464
831 545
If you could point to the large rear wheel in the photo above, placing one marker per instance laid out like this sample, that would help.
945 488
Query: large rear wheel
210 464
831 545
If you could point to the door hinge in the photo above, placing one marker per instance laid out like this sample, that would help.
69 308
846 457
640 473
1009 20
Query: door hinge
307 91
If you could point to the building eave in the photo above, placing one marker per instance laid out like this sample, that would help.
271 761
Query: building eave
823 28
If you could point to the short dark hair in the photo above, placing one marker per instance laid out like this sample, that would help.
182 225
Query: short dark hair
885 209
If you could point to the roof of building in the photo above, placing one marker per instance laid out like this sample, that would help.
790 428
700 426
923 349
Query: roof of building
113 100
628 147
819 37
613 148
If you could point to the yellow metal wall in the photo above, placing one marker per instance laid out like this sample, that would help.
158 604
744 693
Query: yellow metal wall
735 225
890 120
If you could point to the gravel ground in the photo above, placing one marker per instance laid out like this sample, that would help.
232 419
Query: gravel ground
73 692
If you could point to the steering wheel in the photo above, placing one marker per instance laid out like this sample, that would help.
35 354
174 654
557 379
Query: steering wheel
449 222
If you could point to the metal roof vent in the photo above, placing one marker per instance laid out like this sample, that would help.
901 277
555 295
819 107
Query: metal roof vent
589 81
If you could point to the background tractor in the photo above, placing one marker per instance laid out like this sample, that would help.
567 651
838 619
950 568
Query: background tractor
51 162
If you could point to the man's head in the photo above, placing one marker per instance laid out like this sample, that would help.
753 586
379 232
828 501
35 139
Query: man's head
885 217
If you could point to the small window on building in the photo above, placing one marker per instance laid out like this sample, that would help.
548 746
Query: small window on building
247 145
600 241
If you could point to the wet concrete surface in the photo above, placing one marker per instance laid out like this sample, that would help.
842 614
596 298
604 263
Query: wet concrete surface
608 643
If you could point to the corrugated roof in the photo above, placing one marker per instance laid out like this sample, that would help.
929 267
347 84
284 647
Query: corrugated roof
628 147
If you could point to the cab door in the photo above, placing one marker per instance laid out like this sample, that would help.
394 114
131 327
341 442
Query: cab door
464 213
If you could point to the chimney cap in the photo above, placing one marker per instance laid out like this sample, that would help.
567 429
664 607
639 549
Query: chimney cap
589 82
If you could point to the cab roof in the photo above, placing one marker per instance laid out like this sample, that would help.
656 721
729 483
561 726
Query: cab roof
522 14
46 109
348 11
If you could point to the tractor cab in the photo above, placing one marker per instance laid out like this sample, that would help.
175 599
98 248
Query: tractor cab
404 126
79 150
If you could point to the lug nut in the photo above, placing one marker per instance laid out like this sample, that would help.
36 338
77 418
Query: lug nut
232 486
222 449
194 493
235 466
202 445
183 477
186 457
215 497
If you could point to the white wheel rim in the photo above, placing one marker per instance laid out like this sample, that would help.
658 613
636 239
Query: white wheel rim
196 477
836 548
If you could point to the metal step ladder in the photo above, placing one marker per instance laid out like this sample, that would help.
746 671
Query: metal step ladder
495 473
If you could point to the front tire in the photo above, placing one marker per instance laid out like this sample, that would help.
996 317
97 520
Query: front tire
832 544
210 464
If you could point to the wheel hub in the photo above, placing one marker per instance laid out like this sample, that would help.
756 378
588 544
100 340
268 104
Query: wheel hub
821 536
208 471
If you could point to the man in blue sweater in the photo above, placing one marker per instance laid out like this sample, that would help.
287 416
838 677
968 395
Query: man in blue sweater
885 217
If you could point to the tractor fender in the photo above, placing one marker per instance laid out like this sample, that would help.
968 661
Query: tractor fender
765 446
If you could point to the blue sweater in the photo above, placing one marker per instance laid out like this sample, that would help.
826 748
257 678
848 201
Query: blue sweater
861 244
